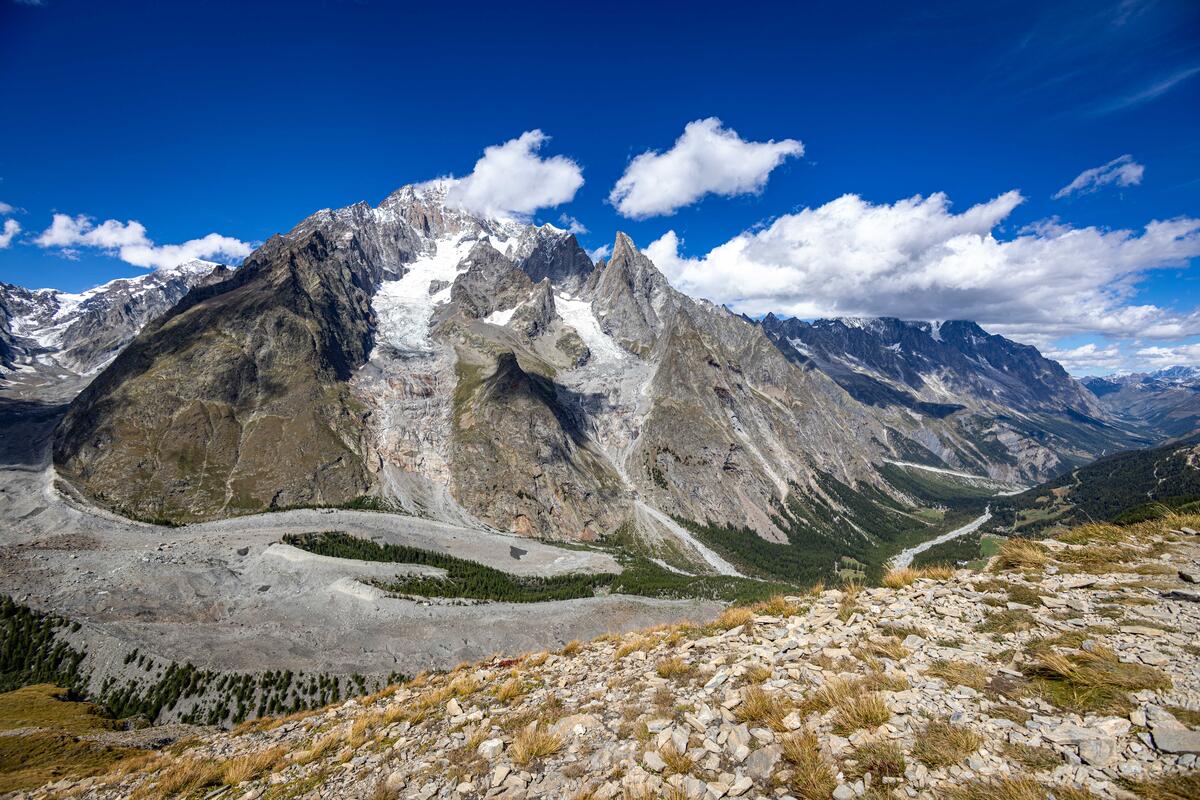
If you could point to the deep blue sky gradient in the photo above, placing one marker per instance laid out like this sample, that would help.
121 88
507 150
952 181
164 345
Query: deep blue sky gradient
243 117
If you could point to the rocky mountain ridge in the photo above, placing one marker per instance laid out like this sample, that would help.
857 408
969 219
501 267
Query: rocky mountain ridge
82 332
987 401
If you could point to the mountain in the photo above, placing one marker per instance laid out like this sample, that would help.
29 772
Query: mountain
441 362
976 401
82 332
1126 487
415 357
1166 403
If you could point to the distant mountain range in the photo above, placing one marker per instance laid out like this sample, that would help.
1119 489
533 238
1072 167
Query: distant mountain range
415 357
1165 403
83 332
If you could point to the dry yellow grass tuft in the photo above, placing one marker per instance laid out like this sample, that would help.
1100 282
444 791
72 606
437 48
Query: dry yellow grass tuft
847 606
899 577
881 758
1036 759
829 694
860 711
886 647
179 778
1093 533
533 742
1179 786
733 617
1091 680
812 777
758 673
572 647
632 645
510 690
959 673
941 744
320 748
777 606
763 707
1016 789
1017 554
673 667
677 763
251 766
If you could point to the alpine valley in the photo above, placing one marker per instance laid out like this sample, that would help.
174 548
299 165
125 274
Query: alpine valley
401 436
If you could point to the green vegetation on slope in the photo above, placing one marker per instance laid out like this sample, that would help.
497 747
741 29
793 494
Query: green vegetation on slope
1127 487
59 749
851 535
470 580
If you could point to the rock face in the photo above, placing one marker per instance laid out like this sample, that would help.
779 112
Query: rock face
236 400
82 332
981 402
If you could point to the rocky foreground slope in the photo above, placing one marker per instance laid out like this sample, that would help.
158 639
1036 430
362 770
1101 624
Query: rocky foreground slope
1069 669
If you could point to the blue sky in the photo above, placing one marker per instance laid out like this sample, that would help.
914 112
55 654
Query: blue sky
240 119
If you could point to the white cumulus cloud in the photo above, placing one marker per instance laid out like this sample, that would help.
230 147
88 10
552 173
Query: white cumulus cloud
129 242
1170 356
706 159
572 225
1089 357
603 251
10 230
6 208
916 259
1121 171
512 181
